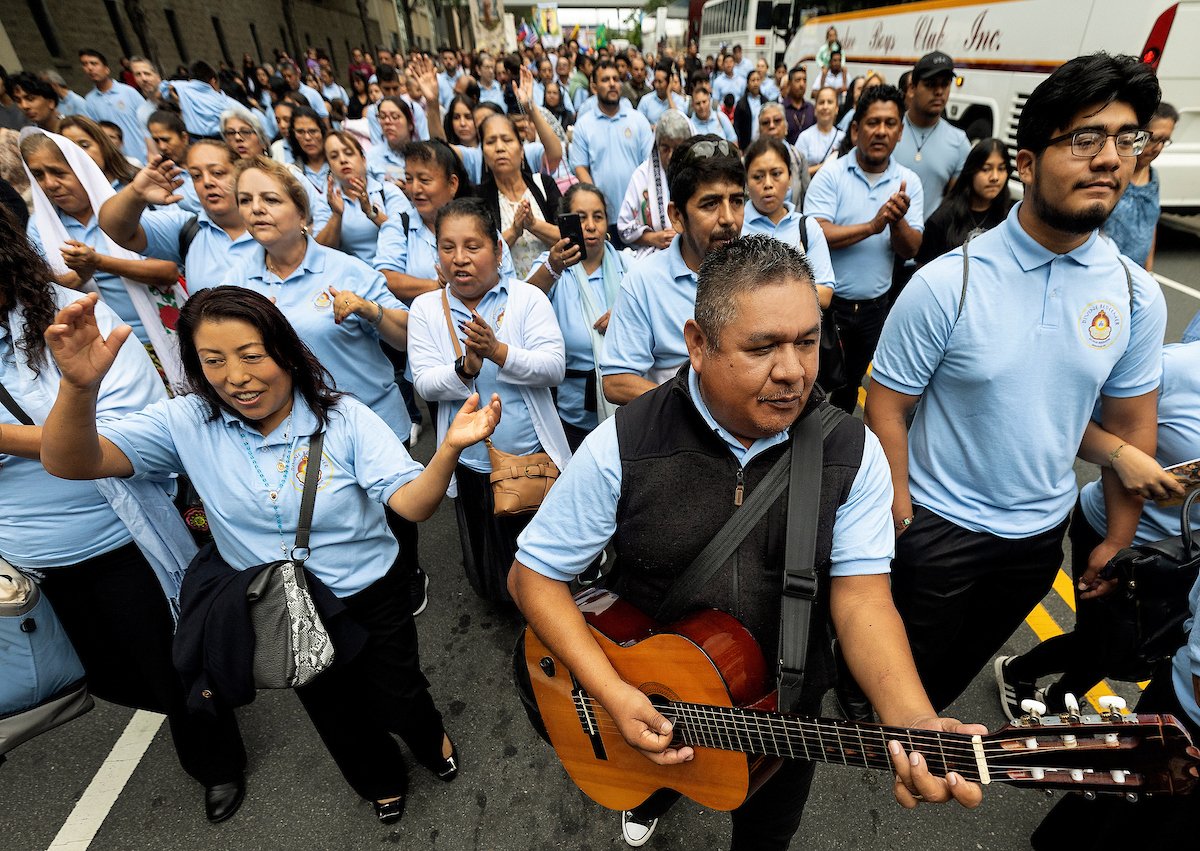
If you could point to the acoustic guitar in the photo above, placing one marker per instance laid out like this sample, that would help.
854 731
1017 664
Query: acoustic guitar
707 675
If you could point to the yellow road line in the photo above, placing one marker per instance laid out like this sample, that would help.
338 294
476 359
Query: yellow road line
1062 584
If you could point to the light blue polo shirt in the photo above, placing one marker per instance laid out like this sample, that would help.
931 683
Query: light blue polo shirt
515 433
817 147
112 288
319 178
212 253
349 351
841 193
577 337
360 236
944 149
769 89
579 515
723 85
72 104
383 162
1178 441
717 124
53 522
645 331
446 87
472 160
200 104
120 105
1008 388
417 254
334 92
493 94
191 201
611 148
652 108
788 232
314 100
362 464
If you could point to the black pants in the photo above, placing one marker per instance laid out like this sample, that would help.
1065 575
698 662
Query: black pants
575 434
489 543
859 325
1096 648
768 820
408 538
356 706
118 618
1161 821
961 594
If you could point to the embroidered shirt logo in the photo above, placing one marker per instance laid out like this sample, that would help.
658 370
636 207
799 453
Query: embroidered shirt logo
322 301
1100 324
301 472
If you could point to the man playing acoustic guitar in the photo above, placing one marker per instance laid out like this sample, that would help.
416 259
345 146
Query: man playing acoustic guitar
662 476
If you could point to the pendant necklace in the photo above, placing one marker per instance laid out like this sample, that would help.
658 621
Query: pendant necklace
924 139
284 466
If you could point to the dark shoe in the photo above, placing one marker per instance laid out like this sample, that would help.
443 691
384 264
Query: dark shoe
418 588
1012 691
445 768
223 800
390 812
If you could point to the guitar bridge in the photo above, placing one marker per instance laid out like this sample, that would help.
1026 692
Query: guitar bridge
585 708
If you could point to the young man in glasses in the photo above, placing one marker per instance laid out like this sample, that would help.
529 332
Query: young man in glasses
644 344
1010 365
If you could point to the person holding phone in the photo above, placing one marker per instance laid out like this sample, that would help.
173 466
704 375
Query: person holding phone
582 275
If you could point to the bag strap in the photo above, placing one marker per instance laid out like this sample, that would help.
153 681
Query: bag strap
16 410
804 234
187 235
722 545
307 501
800 549
458 352
962 299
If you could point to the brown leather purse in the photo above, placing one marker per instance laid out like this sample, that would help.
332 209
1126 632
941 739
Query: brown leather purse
519 482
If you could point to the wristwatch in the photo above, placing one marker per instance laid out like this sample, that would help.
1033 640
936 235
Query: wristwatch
460 367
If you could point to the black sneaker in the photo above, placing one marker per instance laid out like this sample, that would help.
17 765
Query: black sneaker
1012 691
418 588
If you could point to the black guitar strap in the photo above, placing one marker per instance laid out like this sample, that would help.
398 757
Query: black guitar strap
16 410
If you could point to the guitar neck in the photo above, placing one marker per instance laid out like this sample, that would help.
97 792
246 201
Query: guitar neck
846 743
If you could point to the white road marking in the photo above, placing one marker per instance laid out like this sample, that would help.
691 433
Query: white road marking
97 800
1175 285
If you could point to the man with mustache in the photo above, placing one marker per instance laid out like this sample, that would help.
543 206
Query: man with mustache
1010 342
663 475
872 211
644 343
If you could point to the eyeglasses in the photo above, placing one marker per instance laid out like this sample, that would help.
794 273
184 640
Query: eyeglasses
709 148
1089 143
1160 141
306 133
238 134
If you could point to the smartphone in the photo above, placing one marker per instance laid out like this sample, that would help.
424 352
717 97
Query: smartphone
570 226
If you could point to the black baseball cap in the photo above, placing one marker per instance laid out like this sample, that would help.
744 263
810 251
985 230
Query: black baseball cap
932 65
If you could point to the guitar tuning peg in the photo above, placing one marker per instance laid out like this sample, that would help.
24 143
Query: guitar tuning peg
1113 704
1035 709
1077 775
1119 775
1072 705
1037 773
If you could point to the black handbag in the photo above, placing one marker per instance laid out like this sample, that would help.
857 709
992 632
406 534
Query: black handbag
1155 581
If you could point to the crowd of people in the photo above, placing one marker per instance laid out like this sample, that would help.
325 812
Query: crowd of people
621 264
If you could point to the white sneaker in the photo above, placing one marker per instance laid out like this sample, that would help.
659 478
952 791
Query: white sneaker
635 833
414 434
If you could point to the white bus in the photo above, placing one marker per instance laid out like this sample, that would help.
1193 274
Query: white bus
1004 48
724 23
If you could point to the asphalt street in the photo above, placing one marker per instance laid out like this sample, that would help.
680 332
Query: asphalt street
512 792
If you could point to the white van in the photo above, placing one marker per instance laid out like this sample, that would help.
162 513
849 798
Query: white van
1003 49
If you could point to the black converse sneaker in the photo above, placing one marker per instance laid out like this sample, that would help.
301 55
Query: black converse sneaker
1012 691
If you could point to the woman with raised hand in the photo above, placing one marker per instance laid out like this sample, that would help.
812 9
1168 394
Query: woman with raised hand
68 192
583 288
362 206
524 202
642 221
511 347
111 553
978 201
257 395
205 245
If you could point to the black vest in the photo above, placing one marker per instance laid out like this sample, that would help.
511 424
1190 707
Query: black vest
677 490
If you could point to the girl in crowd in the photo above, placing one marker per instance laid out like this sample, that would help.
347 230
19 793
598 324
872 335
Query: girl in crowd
523 202
458 123
511 347
362 206
553 102
436 176
88 135
359 98
978 201
768 176
68 191
206 245
306 138
246 135
819 143
257 395
642 221
706 119
583 289
110 594
386 161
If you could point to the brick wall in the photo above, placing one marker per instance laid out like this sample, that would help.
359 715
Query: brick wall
87 23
